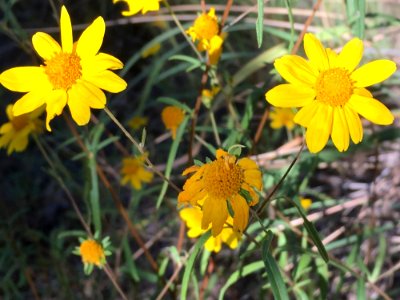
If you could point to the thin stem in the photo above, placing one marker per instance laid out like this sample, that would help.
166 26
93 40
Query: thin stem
139 147
111 275
215 129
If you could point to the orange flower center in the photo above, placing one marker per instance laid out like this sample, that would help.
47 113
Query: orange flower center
19 122
206 26
334 87
92 252
222 178
63 70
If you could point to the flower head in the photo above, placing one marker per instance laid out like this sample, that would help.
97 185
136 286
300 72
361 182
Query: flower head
73 74
282 117
206 31
151 50
192 217
138 122
208 95
331 92
133 171
15 133
223 187
135 6
172 117
305 203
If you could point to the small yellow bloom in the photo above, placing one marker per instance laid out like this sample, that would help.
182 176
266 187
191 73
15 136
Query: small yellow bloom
134 172
73 74
151 50
223 187
206 30
282 117
138 122
92 252
208 95
193 216
305 203
15 133
135 6
172 117
331 92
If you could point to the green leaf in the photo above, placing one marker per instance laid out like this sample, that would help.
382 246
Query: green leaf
274 275
260 22
312 232
379 260
190 263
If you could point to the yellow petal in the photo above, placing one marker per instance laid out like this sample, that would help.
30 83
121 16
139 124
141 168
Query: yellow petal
88 94
320 128
213 244
247 163
55 103
29 102
91 39
66 31
80 112
98 63
351 55
289 95
340 131
296 70
150 5
332 57
362 92
253 178
215 211
220 153
306 114
373 72
25 79
108 81
315 52
371 109
241 211
354 124
45 45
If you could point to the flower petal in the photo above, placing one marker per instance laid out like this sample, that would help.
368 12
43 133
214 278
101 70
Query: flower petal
247 163
215 211
315 52
108 81
55 103
91 39
45 45
320 128
80 111
340 131
373 72
289 95
354 124
296 70
351 55
88 94
306 114
29 102
371 109
25 79
99 63
66 31
241 210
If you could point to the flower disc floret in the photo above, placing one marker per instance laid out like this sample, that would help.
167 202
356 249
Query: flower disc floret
334 87
63 70
92 253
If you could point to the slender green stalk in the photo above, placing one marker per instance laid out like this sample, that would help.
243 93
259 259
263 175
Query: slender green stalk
215 128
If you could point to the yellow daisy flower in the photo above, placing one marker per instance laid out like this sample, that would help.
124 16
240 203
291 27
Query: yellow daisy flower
15 133
192 217
226 185
206 30
172 117
331 92
73 74
282 117
135 6
134 172
92 253
305 203
138 122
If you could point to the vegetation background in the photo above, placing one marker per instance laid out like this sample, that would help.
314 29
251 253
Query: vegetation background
356 202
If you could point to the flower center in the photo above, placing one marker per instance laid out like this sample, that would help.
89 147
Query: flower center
19 122
206 27
91 252
63 70
222 179
334 87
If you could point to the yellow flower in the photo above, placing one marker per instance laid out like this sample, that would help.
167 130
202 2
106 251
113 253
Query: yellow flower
226 185
151 50
331 92
172 117
73 74
305 203
92 252
282 117
15 133
206 30
192 217
133 171
208 95
137 122
135 6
